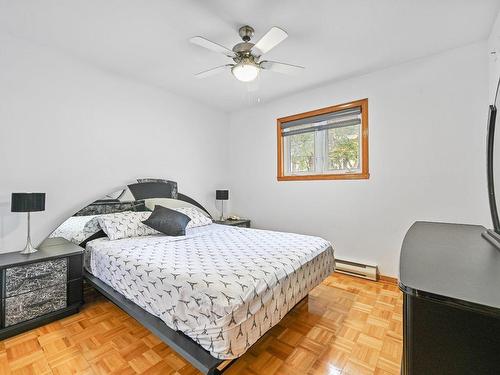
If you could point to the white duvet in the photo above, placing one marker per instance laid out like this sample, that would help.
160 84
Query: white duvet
222 286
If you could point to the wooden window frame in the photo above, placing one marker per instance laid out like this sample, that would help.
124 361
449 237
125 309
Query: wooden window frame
363 175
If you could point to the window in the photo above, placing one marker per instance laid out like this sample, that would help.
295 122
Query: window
326 144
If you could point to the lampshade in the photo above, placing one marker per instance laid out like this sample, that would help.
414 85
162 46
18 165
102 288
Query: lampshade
222 195
27 202
245 71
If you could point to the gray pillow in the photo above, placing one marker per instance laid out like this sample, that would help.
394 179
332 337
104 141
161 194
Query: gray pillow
167 221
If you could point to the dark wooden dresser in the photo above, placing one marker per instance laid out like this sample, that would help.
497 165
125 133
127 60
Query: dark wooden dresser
40 287
450 277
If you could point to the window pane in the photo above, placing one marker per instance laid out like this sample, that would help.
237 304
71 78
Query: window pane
302 153
343 147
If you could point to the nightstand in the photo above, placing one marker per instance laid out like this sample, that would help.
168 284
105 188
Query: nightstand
245 223
39 288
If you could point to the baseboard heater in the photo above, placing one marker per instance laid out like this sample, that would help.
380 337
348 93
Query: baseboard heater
364 271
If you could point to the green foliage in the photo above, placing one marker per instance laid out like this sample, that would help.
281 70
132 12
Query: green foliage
302 152
343 148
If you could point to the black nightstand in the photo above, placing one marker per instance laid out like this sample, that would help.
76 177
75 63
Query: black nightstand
39 288
245 223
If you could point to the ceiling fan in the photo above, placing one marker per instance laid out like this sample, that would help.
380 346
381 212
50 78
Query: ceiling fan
246 55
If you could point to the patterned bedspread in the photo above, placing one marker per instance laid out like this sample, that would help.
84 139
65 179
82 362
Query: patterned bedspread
222 286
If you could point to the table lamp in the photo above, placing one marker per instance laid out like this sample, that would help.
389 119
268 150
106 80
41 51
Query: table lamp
28 202
222 195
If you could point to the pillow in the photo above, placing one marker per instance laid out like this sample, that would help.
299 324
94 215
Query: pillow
167 221
198 219
169 203
125 224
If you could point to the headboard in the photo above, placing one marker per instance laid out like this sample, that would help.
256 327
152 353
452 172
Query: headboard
101 207
140 196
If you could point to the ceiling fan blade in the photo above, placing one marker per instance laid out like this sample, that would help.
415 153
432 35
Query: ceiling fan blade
212 46
281 67
213 71
270 40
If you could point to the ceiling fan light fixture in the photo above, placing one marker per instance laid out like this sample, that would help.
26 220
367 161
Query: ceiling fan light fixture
245 71
247 55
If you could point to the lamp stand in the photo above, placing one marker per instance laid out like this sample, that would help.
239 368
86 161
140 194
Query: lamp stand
222 212
29 248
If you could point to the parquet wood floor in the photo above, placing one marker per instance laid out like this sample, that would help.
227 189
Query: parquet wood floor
346 326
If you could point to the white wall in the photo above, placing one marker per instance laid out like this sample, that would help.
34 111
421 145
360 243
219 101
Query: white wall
427 126
494 56
76 132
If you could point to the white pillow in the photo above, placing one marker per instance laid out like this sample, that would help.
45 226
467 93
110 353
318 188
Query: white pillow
125 224
198 219
171 203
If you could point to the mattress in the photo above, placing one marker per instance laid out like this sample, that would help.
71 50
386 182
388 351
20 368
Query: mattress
222 286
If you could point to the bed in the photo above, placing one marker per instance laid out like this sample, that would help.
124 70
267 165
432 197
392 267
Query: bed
213 292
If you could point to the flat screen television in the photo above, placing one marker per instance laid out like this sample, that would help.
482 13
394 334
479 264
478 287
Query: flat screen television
493 169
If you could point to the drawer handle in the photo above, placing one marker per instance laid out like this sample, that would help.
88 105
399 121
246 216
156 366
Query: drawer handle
37 304
40 275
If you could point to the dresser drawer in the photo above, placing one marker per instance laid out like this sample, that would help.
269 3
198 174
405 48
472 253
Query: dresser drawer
30 277
34 304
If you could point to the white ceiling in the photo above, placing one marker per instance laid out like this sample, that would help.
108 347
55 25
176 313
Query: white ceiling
148 39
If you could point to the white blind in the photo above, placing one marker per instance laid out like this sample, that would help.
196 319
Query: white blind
339 119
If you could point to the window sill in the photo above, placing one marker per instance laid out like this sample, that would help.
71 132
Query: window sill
354 176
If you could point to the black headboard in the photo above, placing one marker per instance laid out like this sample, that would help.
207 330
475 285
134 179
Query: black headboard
110 206
156 188
132 198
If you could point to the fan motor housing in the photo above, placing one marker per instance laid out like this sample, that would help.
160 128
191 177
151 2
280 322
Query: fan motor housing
243 47
246 33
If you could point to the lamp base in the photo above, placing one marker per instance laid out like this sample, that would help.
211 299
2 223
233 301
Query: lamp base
29 249
222 212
